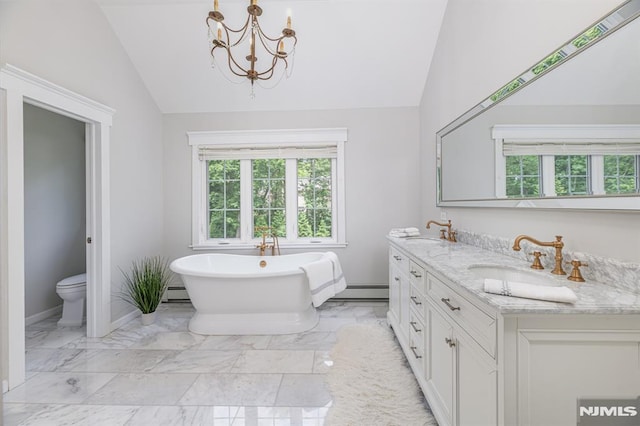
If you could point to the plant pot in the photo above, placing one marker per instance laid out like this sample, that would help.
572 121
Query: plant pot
148 319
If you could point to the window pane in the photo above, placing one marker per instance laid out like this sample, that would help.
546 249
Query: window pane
573 176
522 176
314 197
620 174
224 198
269 195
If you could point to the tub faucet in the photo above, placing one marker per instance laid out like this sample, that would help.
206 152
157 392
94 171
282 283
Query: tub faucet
450 235
274 245
557 244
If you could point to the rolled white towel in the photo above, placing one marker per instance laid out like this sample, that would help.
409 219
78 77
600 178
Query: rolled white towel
530 291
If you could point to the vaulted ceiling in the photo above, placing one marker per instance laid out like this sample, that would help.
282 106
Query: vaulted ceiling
350 53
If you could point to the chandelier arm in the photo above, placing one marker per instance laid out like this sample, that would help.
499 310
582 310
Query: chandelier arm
232 61
242 36
267 48
263 33
241 29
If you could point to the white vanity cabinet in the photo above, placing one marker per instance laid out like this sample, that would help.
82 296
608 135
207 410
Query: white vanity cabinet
456 372
462 380
485 360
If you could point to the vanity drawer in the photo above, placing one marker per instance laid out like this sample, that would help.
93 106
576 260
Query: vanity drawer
418 276
416 335
399 260
416 301
478 324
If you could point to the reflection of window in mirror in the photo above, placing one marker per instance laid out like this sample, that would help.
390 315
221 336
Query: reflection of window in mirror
572 175
535 161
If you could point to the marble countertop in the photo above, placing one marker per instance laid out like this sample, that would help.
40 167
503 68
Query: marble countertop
452 260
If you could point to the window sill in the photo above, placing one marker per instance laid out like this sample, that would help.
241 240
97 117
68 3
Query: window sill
252 246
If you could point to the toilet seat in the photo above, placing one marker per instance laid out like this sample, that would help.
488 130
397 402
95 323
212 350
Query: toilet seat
76 281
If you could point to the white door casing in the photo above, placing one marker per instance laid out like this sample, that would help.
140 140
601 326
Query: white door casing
16 88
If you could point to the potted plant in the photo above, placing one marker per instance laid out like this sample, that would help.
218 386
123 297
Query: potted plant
145 285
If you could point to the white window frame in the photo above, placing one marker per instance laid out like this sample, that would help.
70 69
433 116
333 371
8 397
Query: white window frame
254 139
547 141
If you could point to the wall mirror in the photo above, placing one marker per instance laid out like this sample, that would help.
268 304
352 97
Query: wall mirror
564 134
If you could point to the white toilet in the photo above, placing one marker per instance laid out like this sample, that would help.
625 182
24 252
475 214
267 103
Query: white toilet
73 291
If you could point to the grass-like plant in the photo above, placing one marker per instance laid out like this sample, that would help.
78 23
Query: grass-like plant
147 282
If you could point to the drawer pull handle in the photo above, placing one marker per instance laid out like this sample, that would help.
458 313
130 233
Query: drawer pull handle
449 342
396 257
446 302
413 325
396 278
413 349
415 274
415 300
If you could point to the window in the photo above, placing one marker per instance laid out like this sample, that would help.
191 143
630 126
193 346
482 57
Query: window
523 176
566 160
289 180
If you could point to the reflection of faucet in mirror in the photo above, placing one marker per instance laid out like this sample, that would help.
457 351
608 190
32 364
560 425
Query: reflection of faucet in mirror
557 244
448 234
274 245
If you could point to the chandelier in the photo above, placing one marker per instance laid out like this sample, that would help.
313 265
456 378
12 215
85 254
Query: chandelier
274 50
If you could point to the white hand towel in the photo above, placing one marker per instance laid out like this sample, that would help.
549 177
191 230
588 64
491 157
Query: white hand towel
325 278
530 291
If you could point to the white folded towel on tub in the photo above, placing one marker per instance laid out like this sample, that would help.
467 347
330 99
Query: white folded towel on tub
530 291
325 278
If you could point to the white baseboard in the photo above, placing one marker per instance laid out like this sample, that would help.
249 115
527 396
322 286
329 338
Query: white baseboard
354 292
57 310
124 319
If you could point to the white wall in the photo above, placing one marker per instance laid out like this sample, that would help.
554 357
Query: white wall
70 43
482 45
381 177
54 210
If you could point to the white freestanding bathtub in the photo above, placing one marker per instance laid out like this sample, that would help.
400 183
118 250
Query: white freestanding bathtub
238 294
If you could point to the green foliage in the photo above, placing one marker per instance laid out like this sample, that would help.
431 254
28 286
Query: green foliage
572 175
506 89
548 62
523 176
620 174
269 197
144 286
587 37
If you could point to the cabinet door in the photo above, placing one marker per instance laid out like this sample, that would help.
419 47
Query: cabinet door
477 384
440 364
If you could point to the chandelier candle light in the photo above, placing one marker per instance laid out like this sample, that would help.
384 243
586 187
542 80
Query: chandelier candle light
273 47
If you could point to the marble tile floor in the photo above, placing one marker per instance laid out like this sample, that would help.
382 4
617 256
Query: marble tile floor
162 374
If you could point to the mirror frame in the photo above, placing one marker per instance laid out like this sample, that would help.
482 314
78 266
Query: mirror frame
628 11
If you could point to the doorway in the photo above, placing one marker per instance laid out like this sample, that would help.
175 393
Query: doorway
18 87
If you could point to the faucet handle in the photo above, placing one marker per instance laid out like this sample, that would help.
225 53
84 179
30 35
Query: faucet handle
452 236
575 272
536 261
442 232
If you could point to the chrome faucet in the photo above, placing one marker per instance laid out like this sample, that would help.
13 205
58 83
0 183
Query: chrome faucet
557 244
274 245
448 235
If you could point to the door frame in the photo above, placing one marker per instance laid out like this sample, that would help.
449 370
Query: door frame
18 87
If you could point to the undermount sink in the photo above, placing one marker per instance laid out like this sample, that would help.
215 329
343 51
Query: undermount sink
507 273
